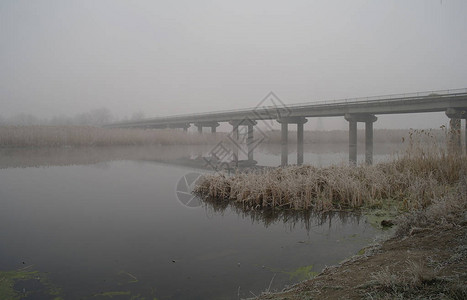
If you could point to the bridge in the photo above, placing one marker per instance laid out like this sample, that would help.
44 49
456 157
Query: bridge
452 102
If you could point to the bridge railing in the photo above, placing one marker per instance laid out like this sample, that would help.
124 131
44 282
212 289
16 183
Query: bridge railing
387 98
372 99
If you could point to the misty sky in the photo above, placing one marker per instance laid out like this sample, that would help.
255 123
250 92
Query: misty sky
170 57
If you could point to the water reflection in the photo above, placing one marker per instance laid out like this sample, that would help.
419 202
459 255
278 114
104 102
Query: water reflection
66 156
196 156
289 218
89 226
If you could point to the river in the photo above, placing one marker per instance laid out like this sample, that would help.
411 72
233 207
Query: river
109 223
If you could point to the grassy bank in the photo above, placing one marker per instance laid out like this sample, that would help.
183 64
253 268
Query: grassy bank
57 136
426 259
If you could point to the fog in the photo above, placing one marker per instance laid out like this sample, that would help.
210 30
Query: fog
158 58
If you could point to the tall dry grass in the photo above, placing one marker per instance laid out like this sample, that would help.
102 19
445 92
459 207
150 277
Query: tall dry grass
412 181
55 136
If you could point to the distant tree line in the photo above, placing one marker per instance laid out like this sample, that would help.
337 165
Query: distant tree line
95 117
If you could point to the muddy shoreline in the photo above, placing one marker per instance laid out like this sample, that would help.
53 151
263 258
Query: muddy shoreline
425 259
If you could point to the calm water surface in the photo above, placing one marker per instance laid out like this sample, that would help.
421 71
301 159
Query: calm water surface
115 225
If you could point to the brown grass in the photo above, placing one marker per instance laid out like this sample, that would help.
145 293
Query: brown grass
56 136
412 181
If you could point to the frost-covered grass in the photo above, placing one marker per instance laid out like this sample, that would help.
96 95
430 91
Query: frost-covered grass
411 181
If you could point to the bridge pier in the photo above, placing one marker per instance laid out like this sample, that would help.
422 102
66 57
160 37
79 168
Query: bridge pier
353 119
455 116
213 126
369 142
235 147
284 143
285 135
249 140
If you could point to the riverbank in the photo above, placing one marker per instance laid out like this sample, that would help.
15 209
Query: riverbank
425 259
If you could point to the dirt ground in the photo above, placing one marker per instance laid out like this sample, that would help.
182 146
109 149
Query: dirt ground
425 263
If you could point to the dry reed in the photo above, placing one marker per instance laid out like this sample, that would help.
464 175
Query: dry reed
412 181
56 136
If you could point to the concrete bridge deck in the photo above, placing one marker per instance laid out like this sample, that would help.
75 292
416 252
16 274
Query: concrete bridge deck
452 102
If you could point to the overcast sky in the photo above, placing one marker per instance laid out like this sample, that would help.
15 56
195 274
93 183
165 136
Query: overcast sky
171 57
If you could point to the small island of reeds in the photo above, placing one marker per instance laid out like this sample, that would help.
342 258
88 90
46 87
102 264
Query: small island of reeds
411 181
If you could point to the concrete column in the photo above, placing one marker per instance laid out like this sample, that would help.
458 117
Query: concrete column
454 140
369 119
249 142
235 147
455 135
369 142
284 143
213 129
200 129
353 142
284 138
299 143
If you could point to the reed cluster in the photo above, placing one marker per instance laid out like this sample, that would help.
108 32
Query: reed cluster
411 181
56 136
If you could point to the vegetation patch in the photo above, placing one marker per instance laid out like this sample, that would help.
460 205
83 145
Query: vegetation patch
113 294
411 181
302 273
20 284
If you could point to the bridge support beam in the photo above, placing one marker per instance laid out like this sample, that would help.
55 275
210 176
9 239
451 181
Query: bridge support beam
236 137
369 143
249 142
454 140
249 123
353 119
353 142
213 126
284 143
300 143
284 138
